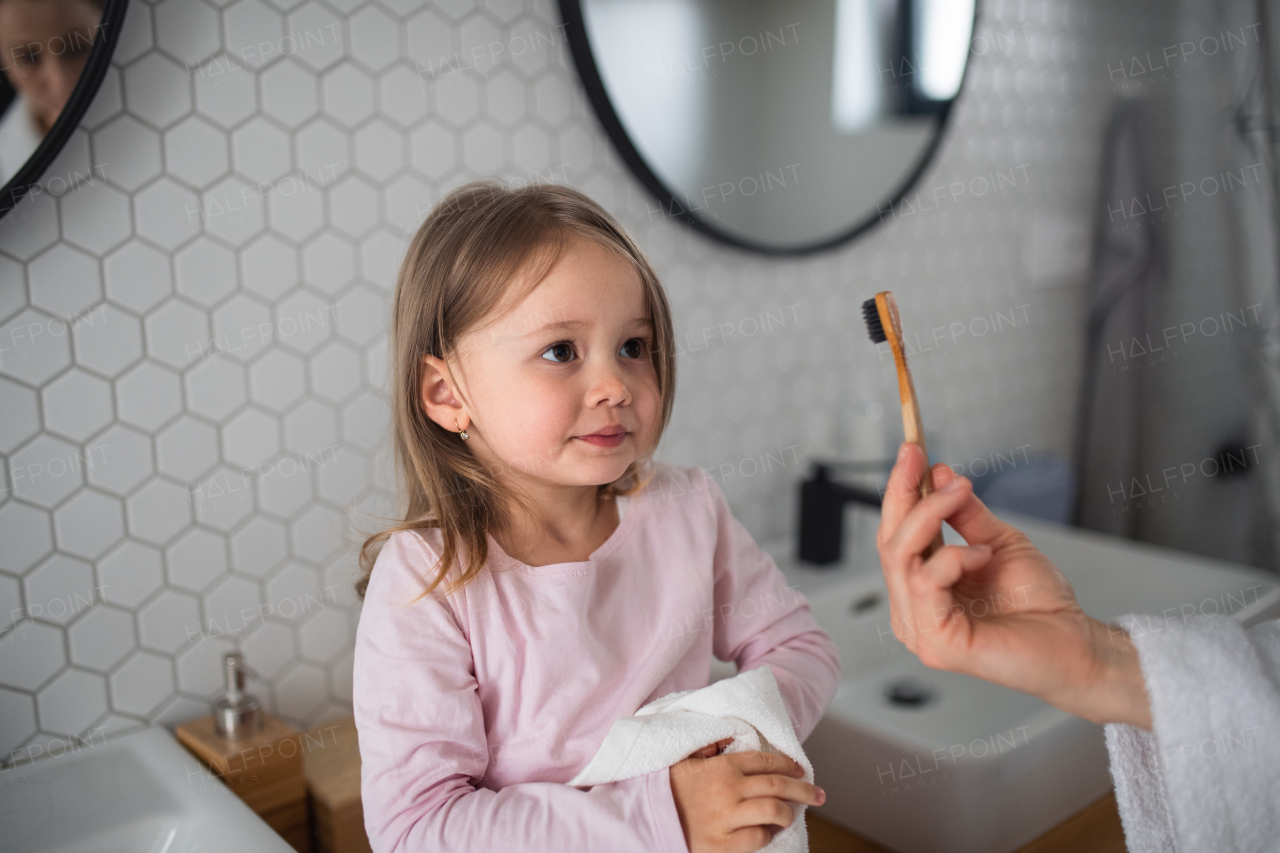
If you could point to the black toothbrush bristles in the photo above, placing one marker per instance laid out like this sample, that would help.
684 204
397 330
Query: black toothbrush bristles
871 315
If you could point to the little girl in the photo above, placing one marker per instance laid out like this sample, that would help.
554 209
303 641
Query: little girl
549 577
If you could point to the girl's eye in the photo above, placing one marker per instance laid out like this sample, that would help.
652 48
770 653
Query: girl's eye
633 348
560 353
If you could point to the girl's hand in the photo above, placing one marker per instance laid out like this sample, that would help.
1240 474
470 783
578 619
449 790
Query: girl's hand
711 749
728 803
998 609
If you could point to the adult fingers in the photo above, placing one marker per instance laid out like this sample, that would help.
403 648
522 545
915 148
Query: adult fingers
902 492
922 523
972 520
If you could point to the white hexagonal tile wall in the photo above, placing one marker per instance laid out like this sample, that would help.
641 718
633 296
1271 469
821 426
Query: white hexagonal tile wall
118 459
301 692
36 347
231 605
88 524
335 371
311 429
373 35
316 534
379 150
277 380
186 30
258 547
71 702
200 667
322 149
64 281
260 150
289 92
20 420
166 213
27 534
106 340
141 684
158 511
252 31
205 271
196 560
95 216
268 648
46 471
33 653
250 438
225 92
59 589
304 322
319 34
101 638
196 151
157 90
169 621
76 404
268 267
403 96
187 448
130 573
137 276
225 497
329 262
348 95
129 152
215 388
148 396
18 710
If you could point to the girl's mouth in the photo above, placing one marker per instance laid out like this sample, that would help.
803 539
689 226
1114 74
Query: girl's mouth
601 439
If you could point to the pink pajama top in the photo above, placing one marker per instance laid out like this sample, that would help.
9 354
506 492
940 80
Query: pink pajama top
475 709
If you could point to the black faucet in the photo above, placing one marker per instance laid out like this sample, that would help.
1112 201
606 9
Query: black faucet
822 501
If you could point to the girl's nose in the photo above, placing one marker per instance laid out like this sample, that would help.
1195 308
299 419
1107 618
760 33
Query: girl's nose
608 386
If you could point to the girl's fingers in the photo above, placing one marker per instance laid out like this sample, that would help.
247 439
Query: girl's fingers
764 810
779 788
755 762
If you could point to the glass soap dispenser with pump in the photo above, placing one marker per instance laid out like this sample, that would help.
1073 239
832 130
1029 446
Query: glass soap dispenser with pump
254 754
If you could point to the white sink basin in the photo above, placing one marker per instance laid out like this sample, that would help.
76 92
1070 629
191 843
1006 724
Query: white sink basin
978 768
137 793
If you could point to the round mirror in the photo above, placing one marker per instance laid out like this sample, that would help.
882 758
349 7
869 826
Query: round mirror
53 55
784 128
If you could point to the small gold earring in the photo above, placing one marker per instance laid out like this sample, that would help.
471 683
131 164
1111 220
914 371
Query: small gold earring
462 433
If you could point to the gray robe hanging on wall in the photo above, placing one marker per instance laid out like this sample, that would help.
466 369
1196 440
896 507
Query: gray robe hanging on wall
1128 271
1170 446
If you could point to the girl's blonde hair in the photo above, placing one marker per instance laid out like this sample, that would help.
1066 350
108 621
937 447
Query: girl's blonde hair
459 268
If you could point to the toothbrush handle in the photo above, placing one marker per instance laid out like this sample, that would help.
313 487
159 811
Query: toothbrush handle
926 488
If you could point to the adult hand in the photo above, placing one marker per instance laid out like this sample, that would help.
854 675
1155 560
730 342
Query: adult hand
997 609
729 803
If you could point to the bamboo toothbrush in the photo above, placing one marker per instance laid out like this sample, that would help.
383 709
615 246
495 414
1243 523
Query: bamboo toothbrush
883 324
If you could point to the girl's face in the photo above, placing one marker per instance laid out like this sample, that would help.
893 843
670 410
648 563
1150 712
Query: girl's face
562 388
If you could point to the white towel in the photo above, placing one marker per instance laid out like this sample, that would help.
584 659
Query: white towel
1208 777
747 708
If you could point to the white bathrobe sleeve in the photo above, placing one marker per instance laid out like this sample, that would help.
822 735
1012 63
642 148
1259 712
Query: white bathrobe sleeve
1207 777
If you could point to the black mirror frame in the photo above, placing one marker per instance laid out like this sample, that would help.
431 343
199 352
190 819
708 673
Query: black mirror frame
95 69
589 74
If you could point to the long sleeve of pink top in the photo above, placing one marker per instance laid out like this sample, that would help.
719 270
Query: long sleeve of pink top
474 709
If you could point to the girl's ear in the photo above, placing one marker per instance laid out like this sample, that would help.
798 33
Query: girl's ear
438 397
